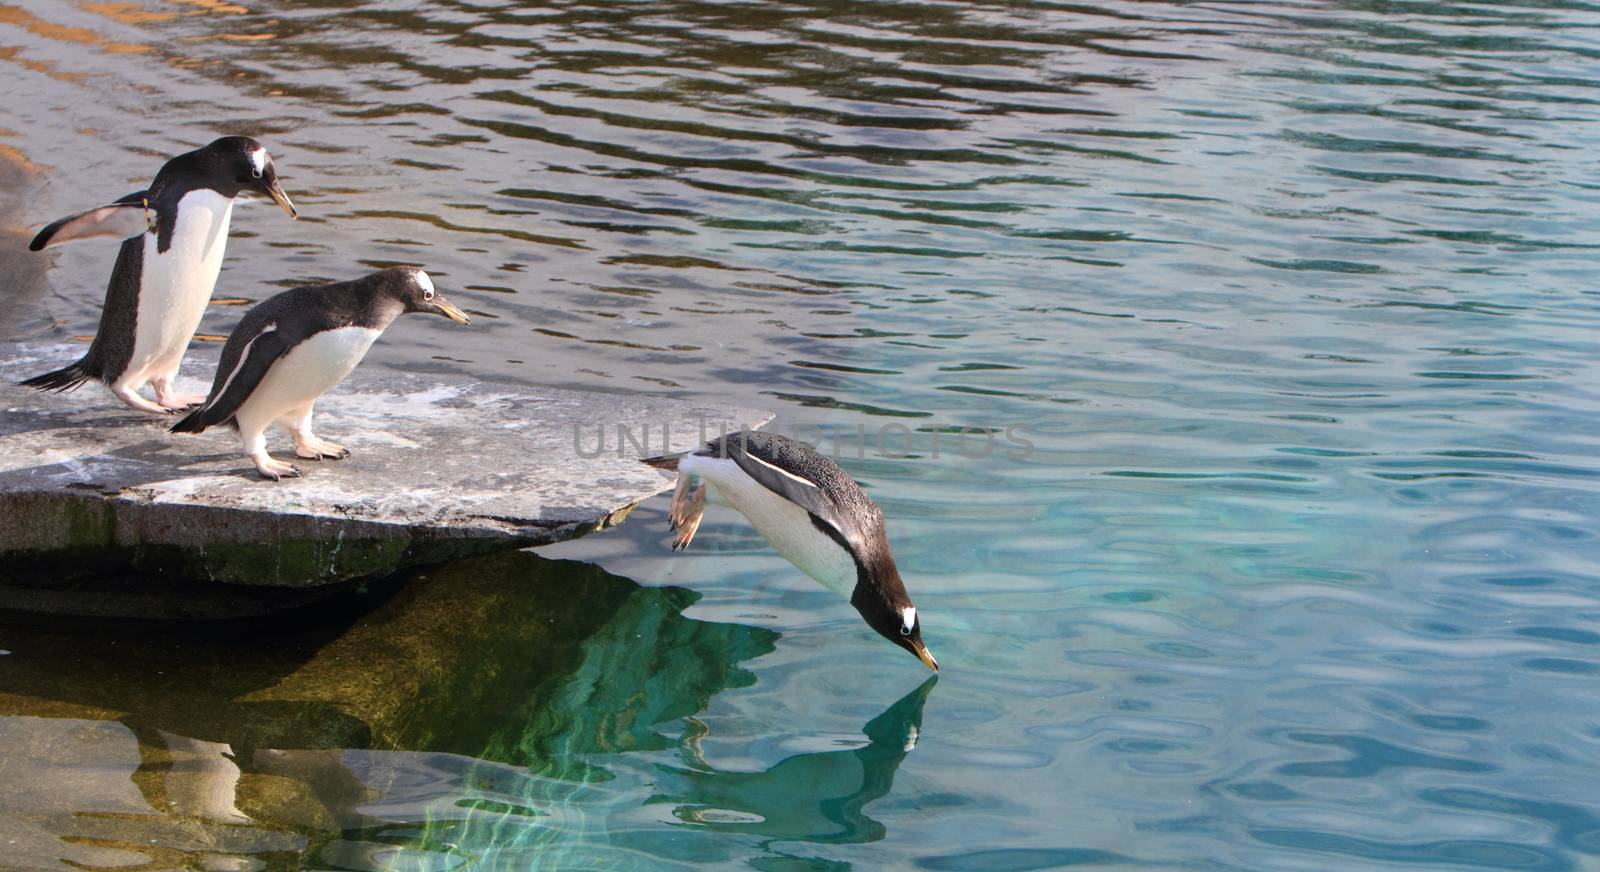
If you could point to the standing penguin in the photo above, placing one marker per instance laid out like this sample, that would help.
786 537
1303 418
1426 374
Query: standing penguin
810 512
292 348
173 237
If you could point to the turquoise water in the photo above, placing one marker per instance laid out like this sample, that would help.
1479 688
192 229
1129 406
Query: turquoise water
1293 304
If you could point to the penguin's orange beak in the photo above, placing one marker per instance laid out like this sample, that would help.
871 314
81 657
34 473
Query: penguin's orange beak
925 656
276 192
449 310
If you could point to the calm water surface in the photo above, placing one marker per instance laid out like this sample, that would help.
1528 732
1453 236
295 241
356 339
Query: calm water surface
1294 304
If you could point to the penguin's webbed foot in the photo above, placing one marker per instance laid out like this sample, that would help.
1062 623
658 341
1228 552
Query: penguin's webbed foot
134 401
175 403
320 449
687 510
273 470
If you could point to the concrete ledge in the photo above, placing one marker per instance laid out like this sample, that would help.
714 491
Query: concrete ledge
442 468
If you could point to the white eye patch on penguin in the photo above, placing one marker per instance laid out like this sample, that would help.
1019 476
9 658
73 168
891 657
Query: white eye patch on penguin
425 282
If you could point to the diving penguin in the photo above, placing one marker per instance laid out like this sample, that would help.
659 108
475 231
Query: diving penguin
810 512
173 238
291 348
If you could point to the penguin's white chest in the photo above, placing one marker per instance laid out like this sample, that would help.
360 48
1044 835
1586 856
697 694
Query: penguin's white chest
307 371
175 285
785 526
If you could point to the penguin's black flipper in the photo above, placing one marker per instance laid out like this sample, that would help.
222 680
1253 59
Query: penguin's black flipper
245 362
795 488
129 216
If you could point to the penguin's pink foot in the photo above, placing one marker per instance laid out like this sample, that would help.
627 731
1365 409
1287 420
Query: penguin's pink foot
274 469
313 447
321 449
180 402
172 400
134 401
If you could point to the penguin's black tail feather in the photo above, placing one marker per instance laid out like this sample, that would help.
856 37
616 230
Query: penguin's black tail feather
194 422
666 462
63 379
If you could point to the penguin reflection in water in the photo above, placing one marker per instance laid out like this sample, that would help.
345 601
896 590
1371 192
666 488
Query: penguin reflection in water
810 512
173 237
292 348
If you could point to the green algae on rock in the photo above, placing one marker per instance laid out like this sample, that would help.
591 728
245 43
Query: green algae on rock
301 735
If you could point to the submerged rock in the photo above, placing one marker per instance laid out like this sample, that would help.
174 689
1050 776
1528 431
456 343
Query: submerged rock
476 695
443 468
496 713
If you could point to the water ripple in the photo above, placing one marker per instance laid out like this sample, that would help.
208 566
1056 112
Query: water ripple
1279 317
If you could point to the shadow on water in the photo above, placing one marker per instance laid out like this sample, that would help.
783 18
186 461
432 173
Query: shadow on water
453 696
816 797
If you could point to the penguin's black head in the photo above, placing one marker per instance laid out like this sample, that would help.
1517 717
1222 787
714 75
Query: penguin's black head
246 166
414 289
880 596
